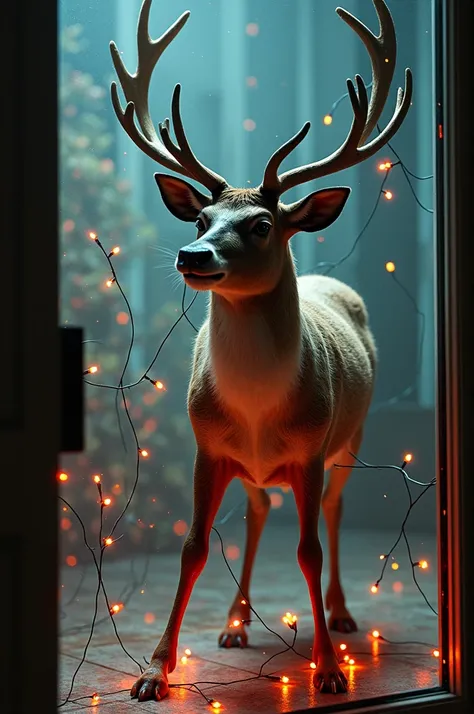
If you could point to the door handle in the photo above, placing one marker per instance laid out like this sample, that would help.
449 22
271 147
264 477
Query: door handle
72 389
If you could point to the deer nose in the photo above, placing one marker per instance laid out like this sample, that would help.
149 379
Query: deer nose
193 258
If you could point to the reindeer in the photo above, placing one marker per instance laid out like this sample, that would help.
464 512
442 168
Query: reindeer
283 368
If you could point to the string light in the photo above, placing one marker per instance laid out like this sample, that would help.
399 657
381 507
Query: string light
327 119
116 608
96 478
144 453
375 634
108 541
109 282
284 679
390 266
343 647
374 589
435 653
158 384
107 501
63 476
215 704
313 665
114 251
395 566
290 620
423 564
93 369
95 699
93 236
187 652
184 659
388 194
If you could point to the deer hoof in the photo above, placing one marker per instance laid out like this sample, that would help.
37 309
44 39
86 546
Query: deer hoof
232 638
330 679
343 624
152 684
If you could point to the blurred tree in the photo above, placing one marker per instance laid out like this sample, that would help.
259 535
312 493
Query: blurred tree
94 197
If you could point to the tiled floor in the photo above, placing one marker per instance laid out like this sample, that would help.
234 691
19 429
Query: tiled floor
398 611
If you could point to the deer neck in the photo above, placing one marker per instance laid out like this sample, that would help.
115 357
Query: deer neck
255 346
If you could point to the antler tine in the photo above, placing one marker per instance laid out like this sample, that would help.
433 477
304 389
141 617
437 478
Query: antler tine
270 176
182 151
382 51
135 88
383 56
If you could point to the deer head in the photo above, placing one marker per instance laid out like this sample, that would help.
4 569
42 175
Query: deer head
243 234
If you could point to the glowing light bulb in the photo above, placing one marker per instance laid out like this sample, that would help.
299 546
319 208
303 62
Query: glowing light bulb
108 541
116 608
95 699
290 620
91 370
96 478
284 679
385 166
352 661
243 602
92 235
107 501
184 659
144 453
115 250
63 476
343 647
313 665
374 589
395 566
435 653
388 195
390 267
423 564
346 658
110 282
382 557
159 385
187 652
215 704
376 634
236 623
408 458
327 120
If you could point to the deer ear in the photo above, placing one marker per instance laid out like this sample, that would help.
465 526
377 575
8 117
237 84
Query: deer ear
183 200
315 212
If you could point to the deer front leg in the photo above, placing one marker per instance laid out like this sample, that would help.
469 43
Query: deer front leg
258 506
307 484
210 482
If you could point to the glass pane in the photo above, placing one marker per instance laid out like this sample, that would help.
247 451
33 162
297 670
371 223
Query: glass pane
269 384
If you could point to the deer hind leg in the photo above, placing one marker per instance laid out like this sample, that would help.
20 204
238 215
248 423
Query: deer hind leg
307 483
258 506
340 618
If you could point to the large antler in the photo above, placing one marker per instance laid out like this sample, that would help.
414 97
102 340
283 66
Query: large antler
382 51
178 157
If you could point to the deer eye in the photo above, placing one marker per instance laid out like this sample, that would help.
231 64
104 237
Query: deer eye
200 225
262 228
